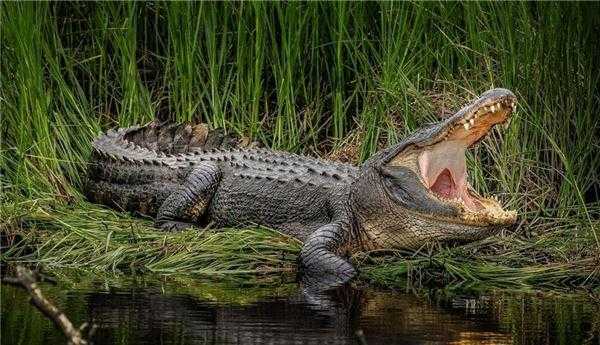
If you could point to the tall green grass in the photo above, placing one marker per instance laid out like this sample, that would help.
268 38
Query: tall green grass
306 77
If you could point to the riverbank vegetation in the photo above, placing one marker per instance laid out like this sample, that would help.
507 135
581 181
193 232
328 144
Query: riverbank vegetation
337 80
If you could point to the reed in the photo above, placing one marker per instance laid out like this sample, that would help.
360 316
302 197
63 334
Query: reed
305 77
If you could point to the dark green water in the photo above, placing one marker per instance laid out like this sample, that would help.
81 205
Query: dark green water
144 310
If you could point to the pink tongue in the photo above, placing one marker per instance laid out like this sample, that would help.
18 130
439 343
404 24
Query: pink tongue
443 168
444 185
447 155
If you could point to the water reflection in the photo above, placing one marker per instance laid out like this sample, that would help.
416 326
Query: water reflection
152 313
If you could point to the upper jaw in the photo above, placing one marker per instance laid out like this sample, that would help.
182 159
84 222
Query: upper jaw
474 121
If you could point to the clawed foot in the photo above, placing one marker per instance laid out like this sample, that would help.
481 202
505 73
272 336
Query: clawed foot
326 272
172 225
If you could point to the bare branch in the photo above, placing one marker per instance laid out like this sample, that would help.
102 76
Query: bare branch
27 279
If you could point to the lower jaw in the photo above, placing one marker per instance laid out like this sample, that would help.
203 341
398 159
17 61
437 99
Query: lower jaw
474 212
491 217
463 198
412 237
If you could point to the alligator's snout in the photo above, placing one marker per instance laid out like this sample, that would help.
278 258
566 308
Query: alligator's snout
442 165
475 120
436 155
472 122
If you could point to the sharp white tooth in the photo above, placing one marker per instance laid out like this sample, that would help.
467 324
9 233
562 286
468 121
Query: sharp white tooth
467 126
492 108
472 122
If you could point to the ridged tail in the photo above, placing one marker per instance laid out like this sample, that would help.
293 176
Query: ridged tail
136 168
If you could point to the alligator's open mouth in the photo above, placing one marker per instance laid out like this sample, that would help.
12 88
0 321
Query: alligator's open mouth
441 164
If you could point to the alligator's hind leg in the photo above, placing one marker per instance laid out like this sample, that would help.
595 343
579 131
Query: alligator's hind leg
190 201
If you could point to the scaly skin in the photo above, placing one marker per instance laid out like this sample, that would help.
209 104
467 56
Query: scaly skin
176 175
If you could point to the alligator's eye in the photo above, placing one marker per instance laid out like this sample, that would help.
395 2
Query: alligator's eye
400 176
405 188
394 172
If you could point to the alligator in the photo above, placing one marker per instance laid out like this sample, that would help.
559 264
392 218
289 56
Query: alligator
405 196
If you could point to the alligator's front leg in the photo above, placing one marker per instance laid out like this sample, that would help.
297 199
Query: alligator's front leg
190 201
319 258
